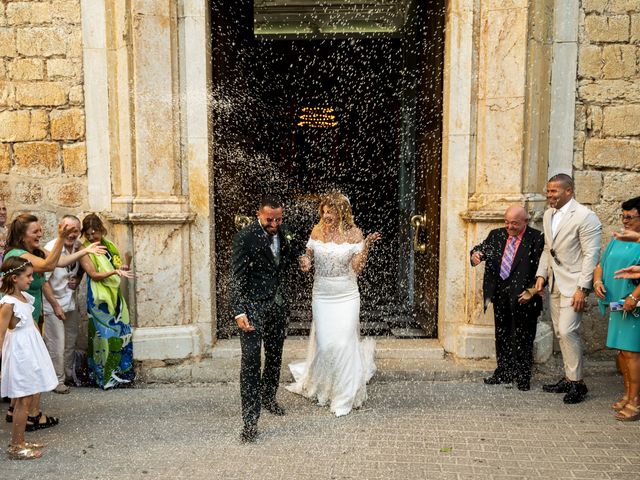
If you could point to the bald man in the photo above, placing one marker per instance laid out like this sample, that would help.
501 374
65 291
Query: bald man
511 255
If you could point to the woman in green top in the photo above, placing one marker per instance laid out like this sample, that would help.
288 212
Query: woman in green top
621 296
23 240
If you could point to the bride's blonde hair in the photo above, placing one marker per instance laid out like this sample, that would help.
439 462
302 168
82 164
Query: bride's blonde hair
338 202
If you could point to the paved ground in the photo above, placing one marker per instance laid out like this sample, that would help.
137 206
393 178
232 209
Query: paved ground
408 430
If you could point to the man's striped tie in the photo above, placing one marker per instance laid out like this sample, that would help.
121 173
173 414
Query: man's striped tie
507 258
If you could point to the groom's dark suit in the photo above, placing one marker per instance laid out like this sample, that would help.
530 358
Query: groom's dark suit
515 324
256 291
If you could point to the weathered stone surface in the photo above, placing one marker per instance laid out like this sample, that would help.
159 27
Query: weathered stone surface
594 6
621 120
594 120
23 125
606 91
28 193
37 158
602 28
67 124
619 61
590 61
74 50
5 158
635 28
59 68
25 13
67 11
8 42
578 140
66 194
623 6
42 41
75 159
76 95
41 94
588 186
619 186
612 153
26 69
7 94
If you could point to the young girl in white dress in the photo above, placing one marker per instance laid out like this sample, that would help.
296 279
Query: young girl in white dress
26 365
338 364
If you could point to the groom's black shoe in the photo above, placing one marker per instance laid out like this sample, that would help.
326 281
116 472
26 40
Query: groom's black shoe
562 386
274 408
249 434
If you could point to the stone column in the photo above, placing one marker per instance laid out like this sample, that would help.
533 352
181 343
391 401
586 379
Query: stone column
156 54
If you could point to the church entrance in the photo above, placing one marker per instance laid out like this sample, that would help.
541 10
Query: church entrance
334 96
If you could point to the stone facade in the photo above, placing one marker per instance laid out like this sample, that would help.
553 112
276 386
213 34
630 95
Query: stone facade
43 166
607 127
130 138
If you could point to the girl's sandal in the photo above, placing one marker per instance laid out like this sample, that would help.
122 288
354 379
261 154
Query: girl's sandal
32 445
34 423
22 452
619 405
630 413
9 417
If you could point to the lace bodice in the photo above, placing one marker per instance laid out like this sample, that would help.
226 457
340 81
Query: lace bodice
333 259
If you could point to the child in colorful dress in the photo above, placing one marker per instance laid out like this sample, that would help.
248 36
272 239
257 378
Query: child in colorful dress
26 365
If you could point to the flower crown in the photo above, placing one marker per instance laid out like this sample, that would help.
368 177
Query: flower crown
20 267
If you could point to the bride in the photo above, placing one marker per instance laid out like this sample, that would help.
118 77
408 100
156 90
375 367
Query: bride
338 364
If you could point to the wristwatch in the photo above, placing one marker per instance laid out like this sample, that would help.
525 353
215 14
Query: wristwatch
583 290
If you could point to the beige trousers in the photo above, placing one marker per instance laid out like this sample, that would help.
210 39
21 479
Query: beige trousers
60 338
566 325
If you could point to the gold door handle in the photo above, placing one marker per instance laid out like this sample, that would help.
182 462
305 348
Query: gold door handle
241 221
418 221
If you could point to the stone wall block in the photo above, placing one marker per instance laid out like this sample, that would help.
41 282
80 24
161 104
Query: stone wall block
42 41
37 158
594 120
594 6
74 49
67 11
8 42
606 91
621 120
590 61
612 153
581 117
619 61
26 69
602 28
67 124
5 158
23 125
588 186
68 194
578 140
76 95
74 158
618 187
61 68
623 6
7 94
635 28
28 193
28 13
41 94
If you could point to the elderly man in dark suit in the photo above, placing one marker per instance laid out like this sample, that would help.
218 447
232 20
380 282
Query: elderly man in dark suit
511 255
261 253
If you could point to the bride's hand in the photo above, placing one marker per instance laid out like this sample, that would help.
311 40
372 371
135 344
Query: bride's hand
371 238
305 263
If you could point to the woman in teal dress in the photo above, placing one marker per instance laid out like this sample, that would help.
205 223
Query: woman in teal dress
621 297
110 353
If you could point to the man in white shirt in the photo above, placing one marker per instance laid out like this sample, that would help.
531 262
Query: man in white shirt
572 235
61 315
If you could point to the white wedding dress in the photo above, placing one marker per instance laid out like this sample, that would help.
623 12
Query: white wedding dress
338 364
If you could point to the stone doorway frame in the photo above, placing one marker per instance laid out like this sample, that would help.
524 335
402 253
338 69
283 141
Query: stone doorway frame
135 48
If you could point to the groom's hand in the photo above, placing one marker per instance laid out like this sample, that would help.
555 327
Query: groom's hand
243 323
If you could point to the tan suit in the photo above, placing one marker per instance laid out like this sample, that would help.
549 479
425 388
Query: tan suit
577 250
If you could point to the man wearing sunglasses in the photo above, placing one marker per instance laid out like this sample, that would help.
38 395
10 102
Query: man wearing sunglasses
572 235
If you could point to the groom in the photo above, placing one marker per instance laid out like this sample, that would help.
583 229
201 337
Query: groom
261 254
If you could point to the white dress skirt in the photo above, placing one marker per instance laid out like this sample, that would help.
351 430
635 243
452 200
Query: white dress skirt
26 364
338 364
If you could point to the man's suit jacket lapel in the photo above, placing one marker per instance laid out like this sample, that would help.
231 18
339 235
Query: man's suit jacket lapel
566 219
522 248
262 242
